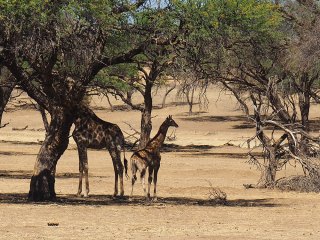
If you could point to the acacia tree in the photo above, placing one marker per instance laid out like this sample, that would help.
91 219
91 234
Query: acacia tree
257 74
244 51
145 75
147 69
301 60
54 49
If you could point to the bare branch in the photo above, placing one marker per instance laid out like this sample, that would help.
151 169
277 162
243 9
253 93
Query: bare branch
2 126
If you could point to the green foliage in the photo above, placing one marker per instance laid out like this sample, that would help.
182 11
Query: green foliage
117 77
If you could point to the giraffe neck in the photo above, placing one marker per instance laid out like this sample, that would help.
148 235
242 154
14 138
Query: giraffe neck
156 142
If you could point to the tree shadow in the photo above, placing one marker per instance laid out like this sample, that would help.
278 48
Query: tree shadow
216 118
24 174
108 200
315 124
10 153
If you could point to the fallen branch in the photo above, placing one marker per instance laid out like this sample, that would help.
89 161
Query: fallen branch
20 129
2 126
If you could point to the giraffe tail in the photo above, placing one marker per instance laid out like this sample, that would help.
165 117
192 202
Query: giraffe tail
125 161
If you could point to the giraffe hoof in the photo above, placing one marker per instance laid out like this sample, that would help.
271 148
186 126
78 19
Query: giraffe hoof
155 199
78 194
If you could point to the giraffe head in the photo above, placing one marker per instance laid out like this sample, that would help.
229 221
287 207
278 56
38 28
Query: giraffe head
170 122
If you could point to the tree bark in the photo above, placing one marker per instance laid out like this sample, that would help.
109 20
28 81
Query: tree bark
304 92
6 88
269 174
146 124
44 118
55 143
190 100
304 104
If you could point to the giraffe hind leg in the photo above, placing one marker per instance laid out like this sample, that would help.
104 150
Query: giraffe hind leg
155 183
142 179
118 170
149 181
80 179
134 177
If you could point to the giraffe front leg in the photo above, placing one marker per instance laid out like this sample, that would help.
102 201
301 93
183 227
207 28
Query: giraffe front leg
86 175
83 169
133 180
134 177
80 173
80 182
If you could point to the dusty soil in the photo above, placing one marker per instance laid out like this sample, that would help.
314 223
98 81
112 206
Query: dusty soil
213 153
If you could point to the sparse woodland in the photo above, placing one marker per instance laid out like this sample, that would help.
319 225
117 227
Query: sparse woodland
265 53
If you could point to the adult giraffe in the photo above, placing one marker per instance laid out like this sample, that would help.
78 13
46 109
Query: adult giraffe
92 132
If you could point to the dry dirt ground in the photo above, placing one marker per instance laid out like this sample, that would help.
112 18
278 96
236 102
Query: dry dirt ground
183 210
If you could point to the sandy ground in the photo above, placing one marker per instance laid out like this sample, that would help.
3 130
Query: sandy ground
183 210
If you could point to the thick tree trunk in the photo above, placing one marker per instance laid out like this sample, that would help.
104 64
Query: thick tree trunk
54 145
6 87
146 124
304 104
146 127
304 100
269 174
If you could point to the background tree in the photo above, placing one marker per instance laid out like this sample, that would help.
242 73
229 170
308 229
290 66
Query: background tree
245 50
146 71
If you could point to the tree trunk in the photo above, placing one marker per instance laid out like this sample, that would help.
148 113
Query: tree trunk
166 95
6 88
190 100
304 100
277 104
54 145
269 175
146 125
109 102
44 117
304 104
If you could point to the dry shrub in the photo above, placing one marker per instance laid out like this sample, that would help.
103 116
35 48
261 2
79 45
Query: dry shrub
216 195
299 183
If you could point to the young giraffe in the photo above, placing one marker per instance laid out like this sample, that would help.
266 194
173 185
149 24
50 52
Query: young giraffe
92 132
149 158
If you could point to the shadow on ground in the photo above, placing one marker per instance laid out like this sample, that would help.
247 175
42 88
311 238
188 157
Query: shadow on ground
216 118
108 200
21 174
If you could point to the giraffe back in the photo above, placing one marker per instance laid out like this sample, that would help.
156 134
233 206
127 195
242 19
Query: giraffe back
97 134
